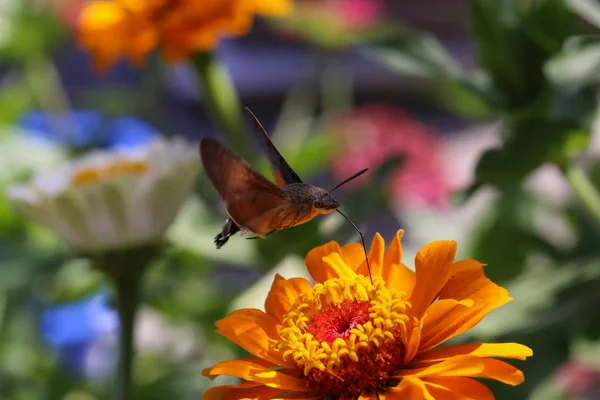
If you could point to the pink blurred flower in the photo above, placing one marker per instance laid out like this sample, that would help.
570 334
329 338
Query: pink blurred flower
374 134
66 10
353 14
579 380
331 23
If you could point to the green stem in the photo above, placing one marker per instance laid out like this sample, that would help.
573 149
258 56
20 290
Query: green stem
128 289
584 189
223 103
126 268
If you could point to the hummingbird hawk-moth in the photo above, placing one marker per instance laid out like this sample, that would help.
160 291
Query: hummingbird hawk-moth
254 203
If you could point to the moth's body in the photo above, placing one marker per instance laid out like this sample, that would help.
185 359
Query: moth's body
300 203
303 203
255 204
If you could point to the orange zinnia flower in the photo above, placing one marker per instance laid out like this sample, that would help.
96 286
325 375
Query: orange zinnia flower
111 29
347 337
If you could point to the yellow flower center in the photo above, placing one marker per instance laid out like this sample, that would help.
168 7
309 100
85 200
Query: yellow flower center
346 336
97 174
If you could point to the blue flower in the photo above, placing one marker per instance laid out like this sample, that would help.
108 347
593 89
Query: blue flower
86 128
83 334
125 133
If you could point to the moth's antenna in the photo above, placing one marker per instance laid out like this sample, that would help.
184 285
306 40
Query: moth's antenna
356 175
362 239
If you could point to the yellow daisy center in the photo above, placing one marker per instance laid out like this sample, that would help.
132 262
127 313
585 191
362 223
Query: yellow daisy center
347 336
97 174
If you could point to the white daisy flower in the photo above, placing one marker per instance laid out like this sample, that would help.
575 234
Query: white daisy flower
110 200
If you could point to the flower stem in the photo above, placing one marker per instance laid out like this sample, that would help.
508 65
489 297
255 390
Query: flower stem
584 189
126 268
128 289
223 103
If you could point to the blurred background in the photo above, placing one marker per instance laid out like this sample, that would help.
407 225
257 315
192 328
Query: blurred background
476 119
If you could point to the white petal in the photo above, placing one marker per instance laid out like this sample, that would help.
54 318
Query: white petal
126 209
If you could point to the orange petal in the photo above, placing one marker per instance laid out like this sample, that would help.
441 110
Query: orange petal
486 295
414 339
502 350
442 393
283 293
466 265
256 373
501 371
375 258
368 396
410 388
300 395
432 265
353 255
468 366
397 275
97 15
469 279
393 254
259 361
334 267
441 320
314 260
401 278
461 388
255 331
457 321
274 8
456 366
246 390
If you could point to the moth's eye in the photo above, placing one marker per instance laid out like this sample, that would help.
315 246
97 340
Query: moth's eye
319 204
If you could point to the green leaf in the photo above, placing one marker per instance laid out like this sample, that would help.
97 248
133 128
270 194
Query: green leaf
423 56
74 280
530 143
471 97
575 67
412 54
15 99
514 39
32 34
508 224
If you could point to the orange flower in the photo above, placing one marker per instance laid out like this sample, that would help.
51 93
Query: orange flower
111 29
347 337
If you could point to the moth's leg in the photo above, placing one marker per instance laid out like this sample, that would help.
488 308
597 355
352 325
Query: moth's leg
258 237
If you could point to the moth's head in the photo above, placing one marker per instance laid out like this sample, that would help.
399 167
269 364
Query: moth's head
325 203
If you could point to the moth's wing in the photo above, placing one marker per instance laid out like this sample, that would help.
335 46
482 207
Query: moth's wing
279 179
277 161
247 194
267 222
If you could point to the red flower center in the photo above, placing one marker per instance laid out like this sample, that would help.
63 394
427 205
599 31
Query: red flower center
337 321
374 368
